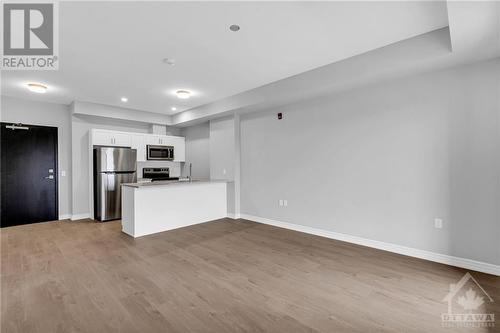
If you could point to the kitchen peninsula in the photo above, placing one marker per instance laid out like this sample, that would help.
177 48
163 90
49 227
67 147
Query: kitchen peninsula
148 208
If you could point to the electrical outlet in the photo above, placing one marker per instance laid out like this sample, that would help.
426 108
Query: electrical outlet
438 223
285 203
281 203
223 171
63 173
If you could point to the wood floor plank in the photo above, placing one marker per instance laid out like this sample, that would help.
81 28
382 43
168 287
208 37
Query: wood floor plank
221 276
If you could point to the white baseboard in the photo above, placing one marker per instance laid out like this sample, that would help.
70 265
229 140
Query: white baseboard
407 251
80 216
64 217
233 216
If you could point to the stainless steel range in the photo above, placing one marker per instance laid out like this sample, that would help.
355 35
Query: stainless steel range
157 174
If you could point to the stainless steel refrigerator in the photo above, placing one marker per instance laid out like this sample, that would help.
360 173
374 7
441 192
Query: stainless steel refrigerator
113 166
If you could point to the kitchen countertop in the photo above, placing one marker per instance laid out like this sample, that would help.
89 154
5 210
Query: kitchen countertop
173 183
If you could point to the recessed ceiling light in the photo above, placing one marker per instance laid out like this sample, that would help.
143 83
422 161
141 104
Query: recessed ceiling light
173 108
183 94
37 88
124 99
234 27
169 61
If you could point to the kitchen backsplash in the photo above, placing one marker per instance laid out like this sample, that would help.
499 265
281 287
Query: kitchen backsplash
175 167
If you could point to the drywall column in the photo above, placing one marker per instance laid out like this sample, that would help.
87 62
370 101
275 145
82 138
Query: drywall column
237 165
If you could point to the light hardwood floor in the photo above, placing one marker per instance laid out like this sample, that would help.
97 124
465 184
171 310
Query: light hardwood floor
221 276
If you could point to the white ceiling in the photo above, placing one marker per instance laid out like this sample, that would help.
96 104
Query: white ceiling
114 49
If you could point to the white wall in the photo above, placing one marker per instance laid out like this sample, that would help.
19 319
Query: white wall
197 151
383 161
46 114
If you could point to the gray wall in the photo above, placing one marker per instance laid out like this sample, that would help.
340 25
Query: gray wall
80 155
210 147
46 114
222 156
73 135
222 148
197 150
383 161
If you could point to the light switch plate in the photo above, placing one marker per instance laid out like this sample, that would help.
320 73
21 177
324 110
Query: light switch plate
438 223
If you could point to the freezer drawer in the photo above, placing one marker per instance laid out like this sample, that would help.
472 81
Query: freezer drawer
107 205
115 159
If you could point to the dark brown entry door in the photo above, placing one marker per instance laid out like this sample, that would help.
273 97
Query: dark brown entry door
29 174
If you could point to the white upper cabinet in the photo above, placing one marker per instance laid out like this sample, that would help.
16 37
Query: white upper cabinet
152 139
159 140
122 139
139 142
110 138
179 144
165 140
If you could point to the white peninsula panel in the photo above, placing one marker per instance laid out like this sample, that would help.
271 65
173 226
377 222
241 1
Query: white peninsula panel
148 208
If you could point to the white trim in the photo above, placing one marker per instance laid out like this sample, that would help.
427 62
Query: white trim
231 216
80 216
64 217
407 251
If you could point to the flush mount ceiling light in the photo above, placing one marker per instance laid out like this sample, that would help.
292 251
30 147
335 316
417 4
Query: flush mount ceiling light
183 94
173 108
169 61
37 88
234 27
124 99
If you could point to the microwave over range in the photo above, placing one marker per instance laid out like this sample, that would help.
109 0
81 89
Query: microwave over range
161 153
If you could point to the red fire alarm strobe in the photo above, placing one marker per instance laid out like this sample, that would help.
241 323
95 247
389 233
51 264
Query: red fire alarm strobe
280 115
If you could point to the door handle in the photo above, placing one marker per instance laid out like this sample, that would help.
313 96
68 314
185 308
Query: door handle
49 177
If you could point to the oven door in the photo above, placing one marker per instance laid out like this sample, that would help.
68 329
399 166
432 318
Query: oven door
160 153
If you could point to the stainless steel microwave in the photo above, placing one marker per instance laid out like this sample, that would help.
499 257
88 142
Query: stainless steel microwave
161 153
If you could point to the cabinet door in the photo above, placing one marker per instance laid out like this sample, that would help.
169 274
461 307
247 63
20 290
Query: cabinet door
152 139
102 138
179 144
166 140
139 144
123 140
